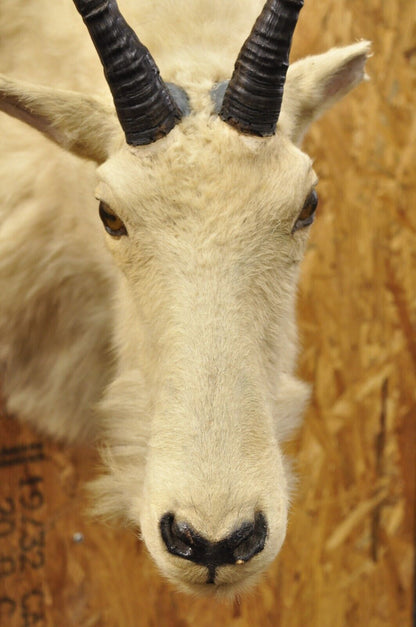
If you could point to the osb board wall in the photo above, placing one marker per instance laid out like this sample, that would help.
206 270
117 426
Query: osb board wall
348 559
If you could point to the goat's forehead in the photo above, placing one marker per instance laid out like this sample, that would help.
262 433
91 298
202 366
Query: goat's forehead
203 162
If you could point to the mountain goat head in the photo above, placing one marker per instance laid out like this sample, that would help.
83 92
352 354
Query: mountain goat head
206 202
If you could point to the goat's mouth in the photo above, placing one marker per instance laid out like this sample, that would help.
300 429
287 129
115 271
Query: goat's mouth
226 584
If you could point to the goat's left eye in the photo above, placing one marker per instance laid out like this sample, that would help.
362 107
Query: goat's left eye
112 223
306 216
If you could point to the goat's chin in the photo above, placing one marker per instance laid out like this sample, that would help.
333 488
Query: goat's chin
227 586
220 591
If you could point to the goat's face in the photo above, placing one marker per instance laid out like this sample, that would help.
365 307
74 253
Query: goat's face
209 266
207 226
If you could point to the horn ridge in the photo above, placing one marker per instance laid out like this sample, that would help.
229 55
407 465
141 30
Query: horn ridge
144 104
253 98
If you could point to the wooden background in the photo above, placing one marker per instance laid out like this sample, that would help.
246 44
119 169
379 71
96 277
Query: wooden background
348 559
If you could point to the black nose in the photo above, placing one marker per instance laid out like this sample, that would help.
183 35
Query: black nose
237 548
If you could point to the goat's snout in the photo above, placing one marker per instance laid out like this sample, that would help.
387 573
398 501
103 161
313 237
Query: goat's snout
237 548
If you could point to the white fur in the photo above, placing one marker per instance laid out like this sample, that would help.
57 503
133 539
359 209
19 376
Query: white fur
184 331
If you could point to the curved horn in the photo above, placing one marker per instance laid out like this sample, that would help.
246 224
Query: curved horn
144 105
254 94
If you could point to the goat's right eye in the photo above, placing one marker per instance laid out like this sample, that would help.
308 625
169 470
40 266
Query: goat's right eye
112 223
306 216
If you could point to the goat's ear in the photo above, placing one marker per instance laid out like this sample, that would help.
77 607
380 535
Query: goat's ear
316 83
78 123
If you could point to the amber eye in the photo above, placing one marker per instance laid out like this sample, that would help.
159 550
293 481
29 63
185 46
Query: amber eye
112 223
306 216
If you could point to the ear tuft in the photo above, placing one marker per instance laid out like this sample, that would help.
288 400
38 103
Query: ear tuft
78 123
316 83
348 72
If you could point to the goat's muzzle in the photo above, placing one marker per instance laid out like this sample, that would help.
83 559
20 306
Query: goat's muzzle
237 548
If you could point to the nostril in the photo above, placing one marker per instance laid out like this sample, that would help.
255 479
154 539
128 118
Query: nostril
178 537
252 539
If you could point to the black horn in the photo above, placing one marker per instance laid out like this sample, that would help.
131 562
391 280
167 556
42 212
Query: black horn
145 106
254 94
